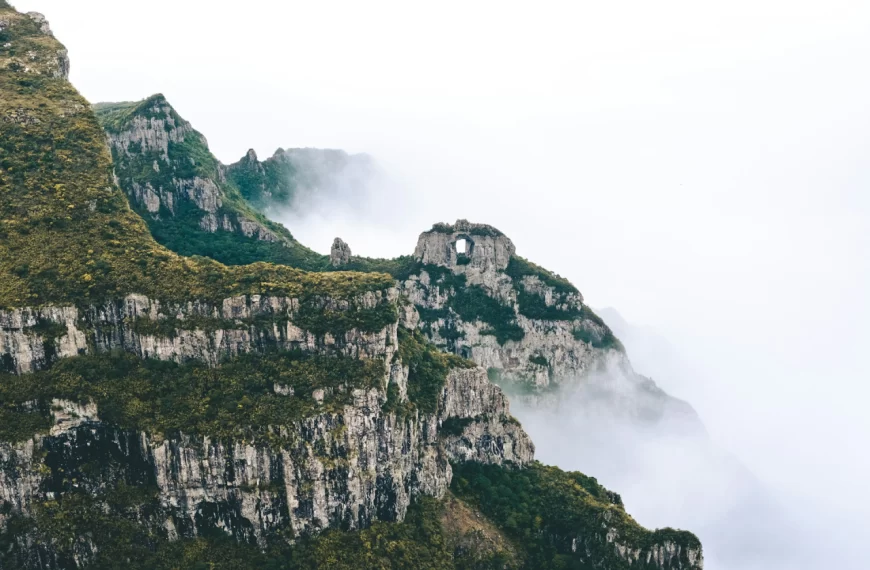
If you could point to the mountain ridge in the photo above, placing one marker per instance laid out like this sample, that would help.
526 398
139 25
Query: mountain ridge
168 406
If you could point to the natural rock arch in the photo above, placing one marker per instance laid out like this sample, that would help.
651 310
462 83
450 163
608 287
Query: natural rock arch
485 246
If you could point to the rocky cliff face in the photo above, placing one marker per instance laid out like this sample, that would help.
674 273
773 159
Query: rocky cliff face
528 327
181 178
341 469
22 48
147 398
34 338
332 469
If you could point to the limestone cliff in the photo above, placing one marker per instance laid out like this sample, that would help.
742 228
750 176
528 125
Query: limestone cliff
528 327
150 400
174 181
335 469
360 451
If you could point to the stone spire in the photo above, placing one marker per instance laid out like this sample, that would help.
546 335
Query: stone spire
340 253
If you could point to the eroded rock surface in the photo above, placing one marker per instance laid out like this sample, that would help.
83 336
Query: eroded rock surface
554 342
340 253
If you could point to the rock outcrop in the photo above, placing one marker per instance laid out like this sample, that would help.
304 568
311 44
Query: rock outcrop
32 339
485 248
22 50
340 253
528 327
180 176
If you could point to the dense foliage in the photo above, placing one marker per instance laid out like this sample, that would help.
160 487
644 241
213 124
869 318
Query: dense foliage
475 230
539 360
545 509
427 369
183 235
519 267
188 158
401 268
598 340
533 306
159 397
605 340
474 304
421 542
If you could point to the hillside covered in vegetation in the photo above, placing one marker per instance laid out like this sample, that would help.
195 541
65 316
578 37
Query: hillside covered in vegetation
163 409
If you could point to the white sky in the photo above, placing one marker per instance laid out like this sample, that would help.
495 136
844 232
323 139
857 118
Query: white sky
702 167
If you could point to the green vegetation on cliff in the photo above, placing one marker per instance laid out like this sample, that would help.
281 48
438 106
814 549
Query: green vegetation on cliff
546 510
469 303
421 542
502 518
427 369
69 237
177 223
235 399
67 234
519 267
474 304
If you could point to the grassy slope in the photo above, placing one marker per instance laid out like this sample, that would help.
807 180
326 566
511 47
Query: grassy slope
67 234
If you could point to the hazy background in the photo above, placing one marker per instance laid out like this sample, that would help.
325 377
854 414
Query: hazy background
702 168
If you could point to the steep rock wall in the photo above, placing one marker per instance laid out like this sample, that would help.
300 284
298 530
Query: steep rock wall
552 340
167 171
331 470
32 338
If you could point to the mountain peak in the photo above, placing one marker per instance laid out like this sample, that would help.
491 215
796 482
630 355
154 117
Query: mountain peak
42 22
28 46
115 117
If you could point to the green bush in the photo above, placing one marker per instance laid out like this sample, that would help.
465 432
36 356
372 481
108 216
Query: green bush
455 426
607 340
